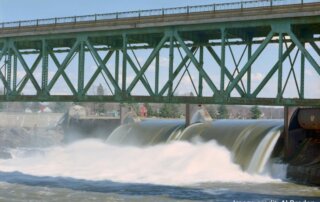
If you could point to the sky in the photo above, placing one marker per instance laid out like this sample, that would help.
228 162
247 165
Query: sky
14 10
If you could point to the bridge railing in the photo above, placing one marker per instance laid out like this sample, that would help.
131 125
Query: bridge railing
156 12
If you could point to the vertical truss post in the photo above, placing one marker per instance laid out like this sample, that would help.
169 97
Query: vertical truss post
116 74
280 53
8 71
201 67
81 68
45 61
302 74
223 59
124 63
15 71
157 73
171 58
249 44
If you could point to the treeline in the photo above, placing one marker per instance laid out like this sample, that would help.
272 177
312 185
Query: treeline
215 111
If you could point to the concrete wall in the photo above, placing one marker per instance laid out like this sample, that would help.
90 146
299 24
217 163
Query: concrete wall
29 120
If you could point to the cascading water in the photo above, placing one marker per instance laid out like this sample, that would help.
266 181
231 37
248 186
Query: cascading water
176 163
154 160
145 133
160 152
251 142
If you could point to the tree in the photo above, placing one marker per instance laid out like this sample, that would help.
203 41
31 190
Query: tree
169 111
223 112
150 110
212 111
255 112
60 106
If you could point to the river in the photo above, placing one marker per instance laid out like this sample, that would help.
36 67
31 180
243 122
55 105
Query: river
93 170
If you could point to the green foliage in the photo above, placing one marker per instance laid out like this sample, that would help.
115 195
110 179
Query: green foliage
60 107
150 110
255 112
169 111
212 111
135 107
223 112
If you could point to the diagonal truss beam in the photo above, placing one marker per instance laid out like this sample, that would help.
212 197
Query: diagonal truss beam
142 78
226 71
147 63
249 63
64 75
315 47
4 81
97 72
25 80
196 64
63 65
272 71
237 63
188 72
26 68
177 71
103 66
292 63
304 51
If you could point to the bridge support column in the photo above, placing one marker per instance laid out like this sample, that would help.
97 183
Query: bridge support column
288 111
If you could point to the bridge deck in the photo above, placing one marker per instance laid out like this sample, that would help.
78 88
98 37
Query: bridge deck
295 11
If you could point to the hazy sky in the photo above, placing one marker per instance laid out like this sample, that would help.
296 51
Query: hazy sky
12 10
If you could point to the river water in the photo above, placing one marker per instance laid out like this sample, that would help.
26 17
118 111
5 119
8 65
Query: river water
93 170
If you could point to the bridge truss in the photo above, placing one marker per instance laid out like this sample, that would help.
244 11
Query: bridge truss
177 58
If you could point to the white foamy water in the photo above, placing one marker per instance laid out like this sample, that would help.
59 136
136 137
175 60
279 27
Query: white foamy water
175 163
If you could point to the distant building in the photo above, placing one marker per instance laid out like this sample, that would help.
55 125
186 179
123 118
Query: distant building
143 111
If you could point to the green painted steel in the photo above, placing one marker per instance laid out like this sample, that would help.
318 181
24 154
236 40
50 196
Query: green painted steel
204 54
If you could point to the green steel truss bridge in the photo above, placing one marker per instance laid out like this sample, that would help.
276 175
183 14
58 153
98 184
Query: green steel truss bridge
255 52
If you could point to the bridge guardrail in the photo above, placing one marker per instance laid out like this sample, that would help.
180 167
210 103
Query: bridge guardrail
156 12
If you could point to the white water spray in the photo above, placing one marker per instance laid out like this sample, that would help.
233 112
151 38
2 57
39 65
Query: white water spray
175 163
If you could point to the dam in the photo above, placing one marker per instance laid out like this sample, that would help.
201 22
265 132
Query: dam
255 145
184 58
238 157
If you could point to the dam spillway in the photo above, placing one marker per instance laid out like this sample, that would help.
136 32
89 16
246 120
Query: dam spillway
254 144
250 142
226 156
